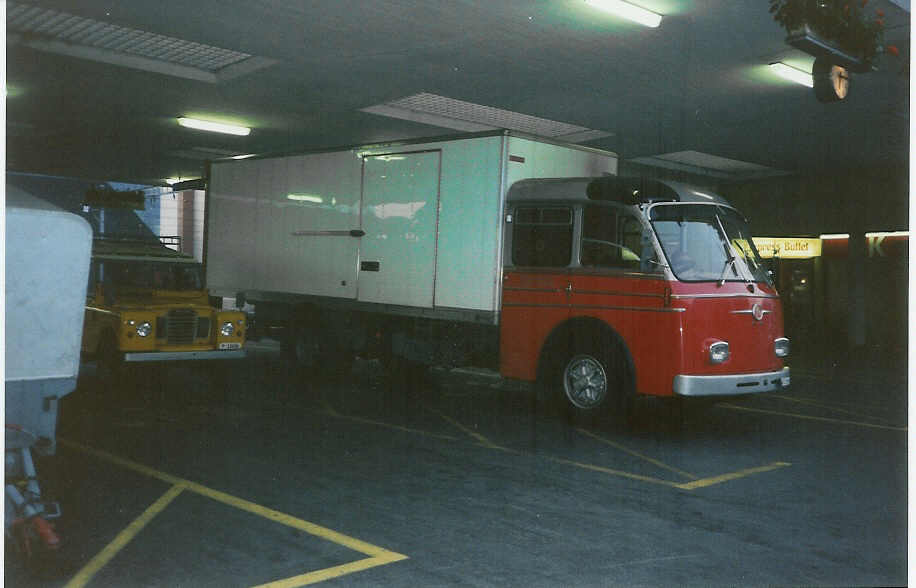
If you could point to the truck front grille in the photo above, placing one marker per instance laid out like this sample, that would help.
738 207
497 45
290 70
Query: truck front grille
181 326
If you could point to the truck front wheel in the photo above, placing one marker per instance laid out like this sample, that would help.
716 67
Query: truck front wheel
585 382
589 375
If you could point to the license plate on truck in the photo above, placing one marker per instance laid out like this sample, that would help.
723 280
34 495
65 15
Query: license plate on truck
230 345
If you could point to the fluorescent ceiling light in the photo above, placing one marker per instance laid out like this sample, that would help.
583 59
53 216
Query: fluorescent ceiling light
793 74
206 125
305 198
628 11
879 234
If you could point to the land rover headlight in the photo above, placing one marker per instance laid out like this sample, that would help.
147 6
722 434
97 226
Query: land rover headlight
718 352
144 329
227 329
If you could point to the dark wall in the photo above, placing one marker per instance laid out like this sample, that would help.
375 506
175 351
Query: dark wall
829 201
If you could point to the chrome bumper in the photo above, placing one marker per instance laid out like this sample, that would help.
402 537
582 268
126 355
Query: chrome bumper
731 384
185 355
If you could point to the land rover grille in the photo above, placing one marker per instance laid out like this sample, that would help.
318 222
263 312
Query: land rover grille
181 326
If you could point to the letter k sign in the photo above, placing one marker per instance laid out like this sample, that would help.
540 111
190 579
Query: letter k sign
874 247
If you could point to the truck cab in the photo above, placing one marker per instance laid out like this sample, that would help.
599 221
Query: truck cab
614 287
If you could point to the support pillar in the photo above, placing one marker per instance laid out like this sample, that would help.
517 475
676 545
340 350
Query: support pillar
856 258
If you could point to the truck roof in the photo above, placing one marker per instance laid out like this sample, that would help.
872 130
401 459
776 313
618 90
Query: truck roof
417 141
624 190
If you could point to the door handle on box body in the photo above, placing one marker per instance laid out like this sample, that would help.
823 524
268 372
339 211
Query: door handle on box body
343 233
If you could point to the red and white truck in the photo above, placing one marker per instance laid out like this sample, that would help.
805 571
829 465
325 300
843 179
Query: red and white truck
504 251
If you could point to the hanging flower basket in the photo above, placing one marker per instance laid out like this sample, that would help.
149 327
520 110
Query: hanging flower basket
837 28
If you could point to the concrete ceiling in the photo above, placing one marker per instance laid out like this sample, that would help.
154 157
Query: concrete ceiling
696 85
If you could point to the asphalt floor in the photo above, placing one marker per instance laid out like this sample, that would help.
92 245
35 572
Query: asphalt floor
251 473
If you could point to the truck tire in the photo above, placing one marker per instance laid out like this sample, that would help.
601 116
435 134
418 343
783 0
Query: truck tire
109 359
313 352
589 376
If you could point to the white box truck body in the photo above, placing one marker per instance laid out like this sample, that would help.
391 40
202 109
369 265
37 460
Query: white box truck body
406 228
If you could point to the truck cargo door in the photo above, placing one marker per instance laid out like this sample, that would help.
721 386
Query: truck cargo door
400 214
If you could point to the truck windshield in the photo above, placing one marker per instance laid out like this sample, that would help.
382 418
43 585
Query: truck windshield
705 242
152 275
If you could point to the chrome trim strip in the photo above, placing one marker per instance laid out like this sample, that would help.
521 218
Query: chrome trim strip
585 271
589 307
748 295
102 311
618 293
587 292
731 384
613 272
546 290
184 355
593 307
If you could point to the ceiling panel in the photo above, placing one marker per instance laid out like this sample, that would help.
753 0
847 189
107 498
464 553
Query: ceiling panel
698 82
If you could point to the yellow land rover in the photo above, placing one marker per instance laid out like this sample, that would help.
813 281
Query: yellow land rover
147 302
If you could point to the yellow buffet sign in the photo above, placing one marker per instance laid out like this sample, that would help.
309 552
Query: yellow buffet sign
788 247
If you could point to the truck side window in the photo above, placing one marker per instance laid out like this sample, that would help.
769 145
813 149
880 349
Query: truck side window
542 236
612 238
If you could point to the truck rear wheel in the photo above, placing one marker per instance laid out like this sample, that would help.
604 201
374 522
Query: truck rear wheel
312 351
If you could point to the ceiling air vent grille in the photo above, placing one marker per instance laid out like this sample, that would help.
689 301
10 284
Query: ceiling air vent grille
467 116
64 33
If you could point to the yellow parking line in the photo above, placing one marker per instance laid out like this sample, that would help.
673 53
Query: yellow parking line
612 472
377 555
810 418
731 476
809 402
637 454
480 438
391 426
334 572
123 538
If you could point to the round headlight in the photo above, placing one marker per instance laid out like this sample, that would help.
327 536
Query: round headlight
781 347
144 329
227 329
718 352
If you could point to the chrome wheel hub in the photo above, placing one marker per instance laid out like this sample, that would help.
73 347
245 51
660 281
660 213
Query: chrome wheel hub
585 382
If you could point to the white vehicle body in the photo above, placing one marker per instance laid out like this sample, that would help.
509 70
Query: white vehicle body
47 268
403 228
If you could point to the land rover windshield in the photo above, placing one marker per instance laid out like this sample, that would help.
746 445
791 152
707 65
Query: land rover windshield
707 242
150 275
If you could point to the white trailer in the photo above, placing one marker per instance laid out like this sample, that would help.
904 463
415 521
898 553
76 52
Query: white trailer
410 229
47 269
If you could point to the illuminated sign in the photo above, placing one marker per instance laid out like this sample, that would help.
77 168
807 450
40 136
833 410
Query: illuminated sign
788 247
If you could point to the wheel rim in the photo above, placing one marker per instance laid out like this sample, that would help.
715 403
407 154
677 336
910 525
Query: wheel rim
585 382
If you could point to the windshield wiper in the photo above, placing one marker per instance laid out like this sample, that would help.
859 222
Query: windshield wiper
728 263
